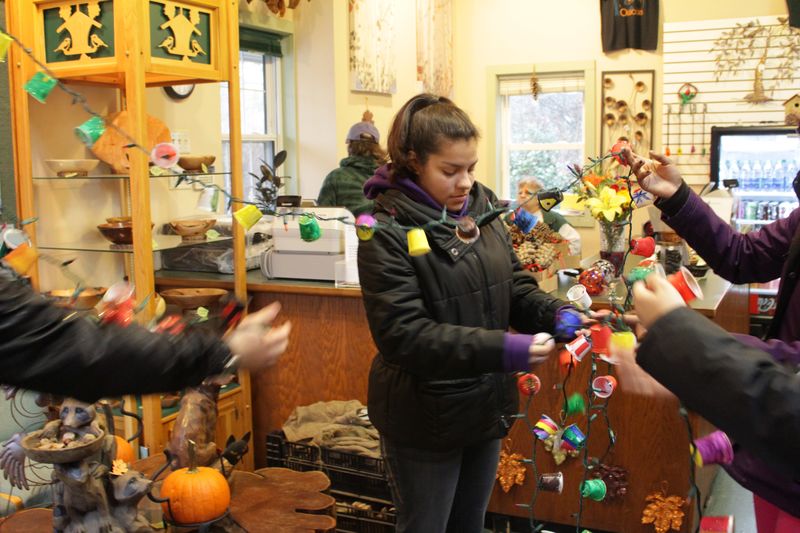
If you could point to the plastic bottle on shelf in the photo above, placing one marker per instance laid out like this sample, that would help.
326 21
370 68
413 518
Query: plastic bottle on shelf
769 177
734 174
757 174
790 173
778 176
746 176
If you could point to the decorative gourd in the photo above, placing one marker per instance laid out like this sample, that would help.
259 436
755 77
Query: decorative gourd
195 494
124 450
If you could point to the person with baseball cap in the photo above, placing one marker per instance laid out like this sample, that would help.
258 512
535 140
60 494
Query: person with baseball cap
344 186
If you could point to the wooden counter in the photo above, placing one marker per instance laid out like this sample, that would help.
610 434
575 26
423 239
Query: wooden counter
331 350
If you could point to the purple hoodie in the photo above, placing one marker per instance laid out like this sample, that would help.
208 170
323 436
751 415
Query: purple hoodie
515 345
742 258
381 182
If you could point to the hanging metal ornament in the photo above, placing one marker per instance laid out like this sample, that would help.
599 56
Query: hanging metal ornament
535 87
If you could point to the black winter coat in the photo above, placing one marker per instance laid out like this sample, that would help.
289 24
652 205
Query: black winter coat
439 321
49 349
739 389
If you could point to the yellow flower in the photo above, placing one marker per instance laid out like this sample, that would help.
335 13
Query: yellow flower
609 203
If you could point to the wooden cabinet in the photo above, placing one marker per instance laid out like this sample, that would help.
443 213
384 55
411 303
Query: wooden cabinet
125 46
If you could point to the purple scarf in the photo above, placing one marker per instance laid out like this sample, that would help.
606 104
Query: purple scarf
380 183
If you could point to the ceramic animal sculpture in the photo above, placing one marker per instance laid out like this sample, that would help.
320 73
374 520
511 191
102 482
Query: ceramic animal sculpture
12 462
126 491
196 421
80 503
235 449
76 419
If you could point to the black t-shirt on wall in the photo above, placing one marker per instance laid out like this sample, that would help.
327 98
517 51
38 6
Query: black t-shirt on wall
629 24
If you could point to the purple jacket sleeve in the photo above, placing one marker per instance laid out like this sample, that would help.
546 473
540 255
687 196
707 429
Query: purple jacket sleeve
781 351
737 257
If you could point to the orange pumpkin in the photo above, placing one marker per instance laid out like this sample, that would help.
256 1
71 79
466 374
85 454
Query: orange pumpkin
124 450
196 494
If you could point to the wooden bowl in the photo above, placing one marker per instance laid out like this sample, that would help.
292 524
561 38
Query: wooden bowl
194 163
193 298
194 229
86 299
120 220
67 168
117 233
30 445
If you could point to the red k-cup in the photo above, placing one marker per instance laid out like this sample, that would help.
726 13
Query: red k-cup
579 347
686 284
601 336
644 247
603 386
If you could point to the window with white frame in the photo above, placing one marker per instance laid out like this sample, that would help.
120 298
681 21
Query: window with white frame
260 96
540 137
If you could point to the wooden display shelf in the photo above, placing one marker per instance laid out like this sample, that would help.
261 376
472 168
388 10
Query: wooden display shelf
128 45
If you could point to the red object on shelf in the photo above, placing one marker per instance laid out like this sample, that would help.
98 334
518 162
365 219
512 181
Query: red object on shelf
763 304
716 524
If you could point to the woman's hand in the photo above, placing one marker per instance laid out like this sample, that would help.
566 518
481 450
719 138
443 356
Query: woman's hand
654 300
659 176
542 346
256 342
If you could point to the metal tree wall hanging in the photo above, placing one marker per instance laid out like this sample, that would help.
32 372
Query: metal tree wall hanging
737 47
278 7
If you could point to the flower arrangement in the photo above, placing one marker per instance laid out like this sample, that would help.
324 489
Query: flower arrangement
607 195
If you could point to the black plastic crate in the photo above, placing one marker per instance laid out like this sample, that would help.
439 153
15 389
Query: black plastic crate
359 515
276 453
352 461
344 480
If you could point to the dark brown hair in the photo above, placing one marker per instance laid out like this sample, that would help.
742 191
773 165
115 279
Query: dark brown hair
367 149
421 125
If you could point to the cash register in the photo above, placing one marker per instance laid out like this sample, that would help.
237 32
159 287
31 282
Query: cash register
293 258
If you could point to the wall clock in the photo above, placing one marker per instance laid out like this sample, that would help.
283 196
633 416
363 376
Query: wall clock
179 92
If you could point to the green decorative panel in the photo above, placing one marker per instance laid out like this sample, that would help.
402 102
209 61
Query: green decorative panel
83 29
180 33
8 206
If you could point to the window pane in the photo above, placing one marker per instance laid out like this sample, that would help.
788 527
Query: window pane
553 118
254 112
550 166
253 153
251 66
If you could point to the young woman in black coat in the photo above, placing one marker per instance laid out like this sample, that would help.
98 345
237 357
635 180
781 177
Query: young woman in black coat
441 389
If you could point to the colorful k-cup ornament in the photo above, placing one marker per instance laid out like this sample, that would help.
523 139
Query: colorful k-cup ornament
603 386
40 86
90 131
164 155
573 438
579 296
365 226
309 228
713 449
580 347
545 427
467 230
524 220
601 337
645 246
622 343
247 216
529 384
575 405
594 489
686 284
417 242
21 258
551 482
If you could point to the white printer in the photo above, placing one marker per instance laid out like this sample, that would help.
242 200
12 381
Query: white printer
293 258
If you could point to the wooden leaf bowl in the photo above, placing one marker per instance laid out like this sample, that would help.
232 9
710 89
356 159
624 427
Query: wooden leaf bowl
190 298
86 299
30 445
193 230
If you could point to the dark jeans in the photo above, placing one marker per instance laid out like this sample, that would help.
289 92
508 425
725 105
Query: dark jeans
436 492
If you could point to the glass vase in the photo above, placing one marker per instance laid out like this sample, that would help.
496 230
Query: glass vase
613 244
